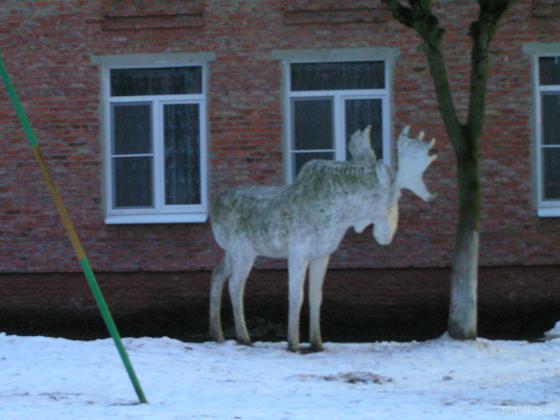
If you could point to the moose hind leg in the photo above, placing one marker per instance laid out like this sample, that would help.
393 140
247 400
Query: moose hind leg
219 276
241 269
317 270
297 267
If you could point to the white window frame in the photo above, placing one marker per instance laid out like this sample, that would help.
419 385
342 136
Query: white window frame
160 212
343 55
545 207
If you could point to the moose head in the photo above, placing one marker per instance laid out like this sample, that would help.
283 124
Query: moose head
413 160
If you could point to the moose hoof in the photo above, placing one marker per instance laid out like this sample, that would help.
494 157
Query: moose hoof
294 348
244 342
316 347
218 338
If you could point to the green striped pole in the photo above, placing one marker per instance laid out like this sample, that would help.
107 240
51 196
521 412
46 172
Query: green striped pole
71 231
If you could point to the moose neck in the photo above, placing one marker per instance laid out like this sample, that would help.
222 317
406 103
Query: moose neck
399 183
339 191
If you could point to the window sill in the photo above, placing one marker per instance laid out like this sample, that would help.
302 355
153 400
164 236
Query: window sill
140 219
548 212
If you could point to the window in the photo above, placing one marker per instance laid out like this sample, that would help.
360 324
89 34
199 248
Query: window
155 143
548 135
330 100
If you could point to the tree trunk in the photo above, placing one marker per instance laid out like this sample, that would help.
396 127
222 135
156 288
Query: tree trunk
417 14
462 322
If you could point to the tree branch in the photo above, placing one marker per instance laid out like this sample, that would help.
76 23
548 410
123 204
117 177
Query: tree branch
444 97
399 12
419 17
481 32
495 9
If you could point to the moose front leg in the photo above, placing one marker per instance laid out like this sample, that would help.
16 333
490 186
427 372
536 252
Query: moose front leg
297 267
317 270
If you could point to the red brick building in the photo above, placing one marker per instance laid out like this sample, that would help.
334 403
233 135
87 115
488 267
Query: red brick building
221 93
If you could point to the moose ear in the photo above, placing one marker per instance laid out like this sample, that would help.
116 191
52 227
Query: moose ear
360 146
383 173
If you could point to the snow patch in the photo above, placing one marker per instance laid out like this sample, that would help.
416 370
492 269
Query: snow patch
53 378
554 332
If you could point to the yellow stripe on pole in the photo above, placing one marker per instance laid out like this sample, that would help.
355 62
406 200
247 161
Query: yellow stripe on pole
59 203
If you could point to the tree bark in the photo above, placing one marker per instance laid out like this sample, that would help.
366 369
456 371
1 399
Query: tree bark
462 322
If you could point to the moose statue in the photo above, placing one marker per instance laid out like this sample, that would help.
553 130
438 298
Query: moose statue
305 222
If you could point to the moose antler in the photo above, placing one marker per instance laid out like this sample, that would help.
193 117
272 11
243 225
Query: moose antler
414 159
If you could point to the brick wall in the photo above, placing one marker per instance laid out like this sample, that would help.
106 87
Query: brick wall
47 47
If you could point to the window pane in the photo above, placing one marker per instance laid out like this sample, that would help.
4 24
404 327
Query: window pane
549 69
156 81
132 180
551 173
132 129
182 154
301 158
313 124
551 118
336 76
359 114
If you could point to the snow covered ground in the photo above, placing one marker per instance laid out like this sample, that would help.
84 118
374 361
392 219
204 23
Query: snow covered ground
49 378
